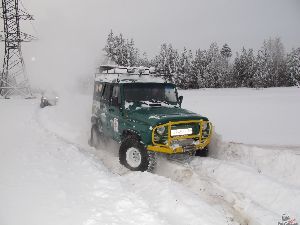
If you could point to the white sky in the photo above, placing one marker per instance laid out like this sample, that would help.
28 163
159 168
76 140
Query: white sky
191 23
72 32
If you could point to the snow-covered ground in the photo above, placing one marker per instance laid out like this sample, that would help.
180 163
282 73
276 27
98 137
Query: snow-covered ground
264 116
48 174
46 180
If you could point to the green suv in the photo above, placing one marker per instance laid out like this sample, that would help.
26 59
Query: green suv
143 113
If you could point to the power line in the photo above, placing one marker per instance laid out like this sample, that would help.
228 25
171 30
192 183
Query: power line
13 79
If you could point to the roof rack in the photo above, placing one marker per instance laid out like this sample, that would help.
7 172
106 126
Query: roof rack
128 74
109 69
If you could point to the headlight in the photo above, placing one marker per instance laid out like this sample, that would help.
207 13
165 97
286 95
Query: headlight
161 130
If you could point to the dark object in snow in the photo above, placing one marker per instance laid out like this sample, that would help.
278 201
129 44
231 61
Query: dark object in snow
143 113
286 220
48 99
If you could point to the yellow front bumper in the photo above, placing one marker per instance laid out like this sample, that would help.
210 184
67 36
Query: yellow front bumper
168 149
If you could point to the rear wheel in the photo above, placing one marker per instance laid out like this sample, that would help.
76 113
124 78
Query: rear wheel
134 155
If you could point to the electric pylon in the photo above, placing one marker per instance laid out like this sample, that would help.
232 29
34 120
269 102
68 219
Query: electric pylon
13 79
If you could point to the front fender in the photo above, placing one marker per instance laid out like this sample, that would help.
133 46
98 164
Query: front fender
142 130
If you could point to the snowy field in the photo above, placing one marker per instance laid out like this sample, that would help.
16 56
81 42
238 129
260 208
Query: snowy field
49 175
260 117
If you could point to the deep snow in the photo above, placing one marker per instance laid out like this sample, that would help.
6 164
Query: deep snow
46 180
239 183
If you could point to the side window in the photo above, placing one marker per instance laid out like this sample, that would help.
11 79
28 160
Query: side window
116 94
107 93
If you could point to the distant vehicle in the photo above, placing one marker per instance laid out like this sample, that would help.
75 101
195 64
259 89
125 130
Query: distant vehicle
143 113
48 98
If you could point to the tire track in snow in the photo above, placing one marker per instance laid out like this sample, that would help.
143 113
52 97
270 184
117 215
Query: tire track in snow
207 189
204 186
113 165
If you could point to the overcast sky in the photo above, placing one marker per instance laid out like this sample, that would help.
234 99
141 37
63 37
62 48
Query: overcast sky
190 23
72 32
196 23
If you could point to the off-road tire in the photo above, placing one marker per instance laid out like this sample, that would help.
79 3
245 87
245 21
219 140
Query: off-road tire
202 152
146 160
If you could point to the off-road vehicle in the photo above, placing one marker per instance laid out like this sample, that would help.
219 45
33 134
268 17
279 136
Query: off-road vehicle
143 113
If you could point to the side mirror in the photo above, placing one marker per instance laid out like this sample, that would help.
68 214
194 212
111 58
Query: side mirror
180 98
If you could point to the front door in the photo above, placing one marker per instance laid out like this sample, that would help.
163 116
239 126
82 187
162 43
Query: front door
115 113
104 123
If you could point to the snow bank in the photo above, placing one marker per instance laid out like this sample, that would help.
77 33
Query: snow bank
261 117
279 163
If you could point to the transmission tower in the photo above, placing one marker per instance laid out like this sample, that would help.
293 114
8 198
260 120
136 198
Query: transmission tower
13 79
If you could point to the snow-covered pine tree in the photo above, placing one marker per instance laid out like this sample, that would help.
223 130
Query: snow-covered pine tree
143 60
173 61
120 51
198 67
226 51
226 76
167 62
210 75
293 64
132 53
271 65
217 72
110 48
262 72
184 78
244 69
161 61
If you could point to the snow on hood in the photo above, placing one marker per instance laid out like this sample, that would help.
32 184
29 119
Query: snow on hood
156 115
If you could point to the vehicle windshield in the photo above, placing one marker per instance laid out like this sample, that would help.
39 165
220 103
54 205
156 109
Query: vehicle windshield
150 92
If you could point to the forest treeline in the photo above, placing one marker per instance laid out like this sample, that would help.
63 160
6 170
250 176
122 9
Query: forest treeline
215 67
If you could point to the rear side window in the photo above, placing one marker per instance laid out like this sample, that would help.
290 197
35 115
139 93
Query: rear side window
98 88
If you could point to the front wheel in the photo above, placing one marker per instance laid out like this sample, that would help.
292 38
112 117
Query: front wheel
134 155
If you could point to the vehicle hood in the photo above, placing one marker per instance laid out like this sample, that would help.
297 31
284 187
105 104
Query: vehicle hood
159 115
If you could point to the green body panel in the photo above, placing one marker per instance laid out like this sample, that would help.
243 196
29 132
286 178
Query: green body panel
159 115
145 119
115 121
